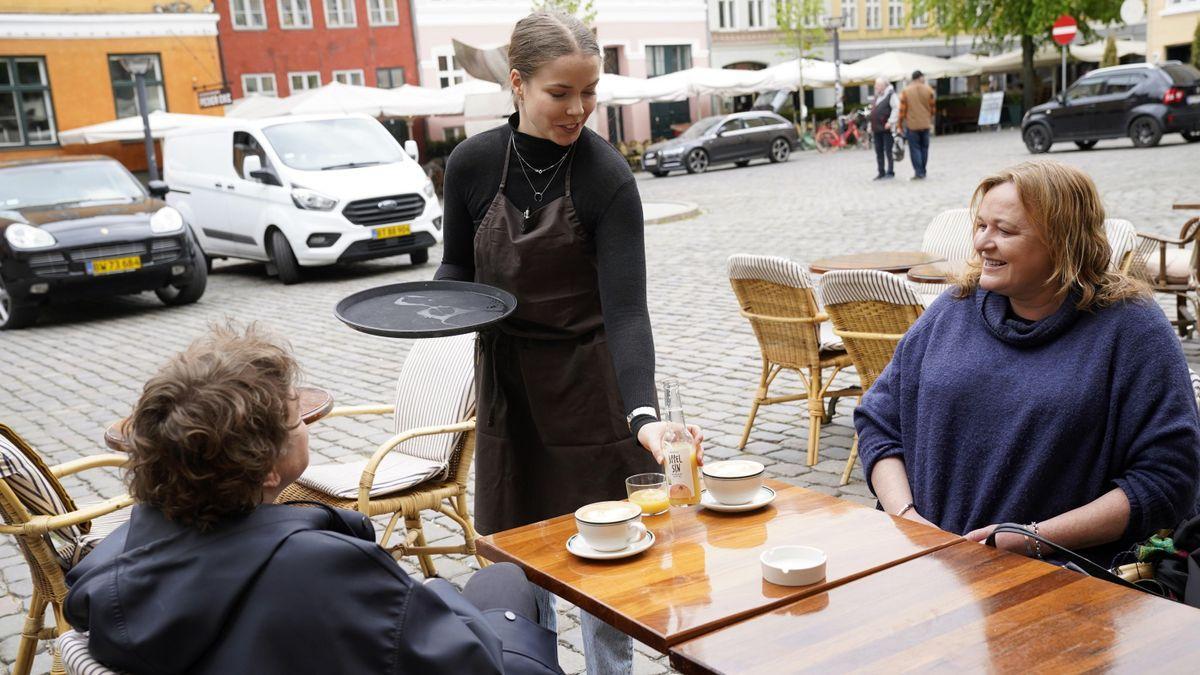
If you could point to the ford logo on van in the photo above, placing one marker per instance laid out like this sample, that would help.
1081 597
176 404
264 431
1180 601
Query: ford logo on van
387 205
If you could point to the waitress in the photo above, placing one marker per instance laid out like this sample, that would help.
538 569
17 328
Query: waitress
547 210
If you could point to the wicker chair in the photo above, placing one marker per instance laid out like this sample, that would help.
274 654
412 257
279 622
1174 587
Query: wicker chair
52 532
777 297
871 311
424 466
949 237
1121 239
1171 266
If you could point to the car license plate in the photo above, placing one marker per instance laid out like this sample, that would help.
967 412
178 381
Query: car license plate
1193 99
650 161
114 265
389 231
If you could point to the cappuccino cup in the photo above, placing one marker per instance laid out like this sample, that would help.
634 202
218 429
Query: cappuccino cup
733 481
610 526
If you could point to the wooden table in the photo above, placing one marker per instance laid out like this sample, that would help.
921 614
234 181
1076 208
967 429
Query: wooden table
887 261
937 273
703 571
315 403
965 608
1186 206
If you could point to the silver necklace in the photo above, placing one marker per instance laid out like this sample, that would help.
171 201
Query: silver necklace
537 194
532 167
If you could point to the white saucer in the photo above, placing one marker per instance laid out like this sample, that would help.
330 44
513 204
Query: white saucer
579 547
765 496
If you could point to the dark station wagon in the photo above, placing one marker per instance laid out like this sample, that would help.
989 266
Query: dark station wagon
738 138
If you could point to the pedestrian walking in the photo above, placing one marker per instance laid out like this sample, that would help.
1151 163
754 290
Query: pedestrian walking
918 105
884 115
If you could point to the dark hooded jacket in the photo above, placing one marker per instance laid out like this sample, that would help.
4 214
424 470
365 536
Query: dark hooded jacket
285 589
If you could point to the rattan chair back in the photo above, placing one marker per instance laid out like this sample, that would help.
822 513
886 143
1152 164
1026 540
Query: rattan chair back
776 296
1121 239
870 310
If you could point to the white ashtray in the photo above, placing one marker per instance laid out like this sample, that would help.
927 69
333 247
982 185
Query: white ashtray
793 565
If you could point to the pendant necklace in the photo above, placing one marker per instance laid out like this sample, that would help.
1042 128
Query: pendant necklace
537 194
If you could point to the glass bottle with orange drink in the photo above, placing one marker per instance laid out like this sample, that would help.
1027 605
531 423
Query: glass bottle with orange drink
679 451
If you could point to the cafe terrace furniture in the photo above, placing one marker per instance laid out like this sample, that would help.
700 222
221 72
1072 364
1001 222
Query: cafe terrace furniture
1186 206
965 608
1121 239
424 466
703 571
949 236
73 646
777 298
52 532
887 261
870 311
1170 266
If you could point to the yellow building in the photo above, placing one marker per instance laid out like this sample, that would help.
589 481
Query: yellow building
1170 29
60 69
873 26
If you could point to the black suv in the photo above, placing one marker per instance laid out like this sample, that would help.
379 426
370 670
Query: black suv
82 226
1141 101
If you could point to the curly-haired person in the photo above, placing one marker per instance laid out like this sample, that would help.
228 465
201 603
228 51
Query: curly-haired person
211 576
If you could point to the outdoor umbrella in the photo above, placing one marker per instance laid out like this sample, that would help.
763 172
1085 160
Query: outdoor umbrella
718 81
894 66
130 128
1009 62
1094 52
405 101
254 106
786 75
622 90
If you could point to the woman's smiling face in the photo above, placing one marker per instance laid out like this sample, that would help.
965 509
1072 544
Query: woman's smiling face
557 99
1016 261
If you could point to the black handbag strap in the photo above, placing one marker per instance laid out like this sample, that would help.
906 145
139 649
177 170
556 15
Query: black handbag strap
1073 559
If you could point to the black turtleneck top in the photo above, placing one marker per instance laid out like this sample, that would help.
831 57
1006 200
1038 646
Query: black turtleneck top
605 196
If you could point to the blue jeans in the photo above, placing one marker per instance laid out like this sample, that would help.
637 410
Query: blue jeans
606 650
918 149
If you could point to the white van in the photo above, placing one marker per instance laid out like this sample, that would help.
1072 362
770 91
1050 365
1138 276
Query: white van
302 191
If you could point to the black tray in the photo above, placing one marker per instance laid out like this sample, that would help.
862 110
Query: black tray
422 309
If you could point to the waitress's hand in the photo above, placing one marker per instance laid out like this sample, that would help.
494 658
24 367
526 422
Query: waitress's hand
651 438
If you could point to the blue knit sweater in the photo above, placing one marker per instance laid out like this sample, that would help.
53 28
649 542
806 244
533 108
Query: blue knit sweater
1000 420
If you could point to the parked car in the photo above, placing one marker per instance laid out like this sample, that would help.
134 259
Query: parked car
302 191
738 138
1142 101
82 226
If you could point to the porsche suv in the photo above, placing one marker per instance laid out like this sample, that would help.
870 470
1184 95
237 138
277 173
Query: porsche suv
82 226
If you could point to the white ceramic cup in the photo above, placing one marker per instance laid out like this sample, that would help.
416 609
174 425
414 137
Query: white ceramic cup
610 526
733 481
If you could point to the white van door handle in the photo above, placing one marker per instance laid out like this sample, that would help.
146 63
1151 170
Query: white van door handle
229 186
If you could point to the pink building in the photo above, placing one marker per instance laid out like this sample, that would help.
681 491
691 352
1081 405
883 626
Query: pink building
640 39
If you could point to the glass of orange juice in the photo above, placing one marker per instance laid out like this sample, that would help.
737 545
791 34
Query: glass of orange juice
649 491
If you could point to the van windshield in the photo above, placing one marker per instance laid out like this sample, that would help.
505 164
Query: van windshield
68 184
326 145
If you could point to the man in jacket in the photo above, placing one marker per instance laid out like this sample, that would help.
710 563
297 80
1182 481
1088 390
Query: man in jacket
210 576
884 114
918 108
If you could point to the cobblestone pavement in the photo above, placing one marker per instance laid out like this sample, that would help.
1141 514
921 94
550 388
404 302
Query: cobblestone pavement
62 382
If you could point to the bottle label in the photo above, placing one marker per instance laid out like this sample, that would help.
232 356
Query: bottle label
680 460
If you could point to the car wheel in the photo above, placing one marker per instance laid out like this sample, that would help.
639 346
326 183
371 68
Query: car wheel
1145 132
658 174
1037 138
286 266
208 263
780 150
1086 145
1191 136
12 315
419 257
742 162
697 161
188 290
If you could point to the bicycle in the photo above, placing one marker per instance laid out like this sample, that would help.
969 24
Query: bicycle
853 128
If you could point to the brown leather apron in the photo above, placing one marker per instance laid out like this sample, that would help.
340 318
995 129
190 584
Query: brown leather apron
551 431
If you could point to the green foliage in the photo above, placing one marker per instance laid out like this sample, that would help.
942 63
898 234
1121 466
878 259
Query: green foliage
1110 52
1196 47
799 24
584 9
995 22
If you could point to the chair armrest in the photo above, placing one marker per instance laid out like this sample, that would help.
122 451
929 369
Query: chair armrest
1164 240
368 474
84 463
816 318
38 525
353 410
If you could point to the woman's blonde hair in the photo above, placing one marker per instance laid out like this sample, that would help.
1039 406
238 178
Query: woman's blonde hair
544 36
1064 207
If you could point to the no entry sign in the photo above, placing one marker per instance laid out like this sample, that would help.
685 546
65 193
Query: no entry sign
1064 30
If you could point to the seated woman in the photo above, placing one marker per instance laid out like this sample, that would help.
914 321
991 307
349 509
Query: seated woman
1047 389
209 576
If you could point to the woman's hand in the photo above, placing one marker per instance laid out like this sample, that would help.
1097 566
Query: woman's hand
651 438
1014 543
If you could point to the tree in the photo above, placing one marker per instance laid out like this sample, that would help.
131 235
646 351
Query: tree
584 9
1196 47
799 27
995 23
1110 52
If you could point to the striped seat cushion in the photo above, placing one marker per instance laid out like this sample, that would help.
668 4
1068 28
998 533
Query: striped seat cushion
768 268
1179 266
949 235
101 528
32 486
839 287
73 648
398 471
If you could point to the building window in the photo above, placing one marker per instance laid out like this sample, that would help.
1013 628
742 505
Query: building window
873 15
304 81
449 73
354 77
454 133
389 78
850 14
382 13
665 59
248 14
725 9
26 114
340 14
295 13
895 13
754 14
262 84
125 87
920 20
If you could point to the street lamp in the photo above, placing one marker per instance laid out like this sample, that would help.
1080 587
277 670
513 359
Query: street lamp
138 66
834 23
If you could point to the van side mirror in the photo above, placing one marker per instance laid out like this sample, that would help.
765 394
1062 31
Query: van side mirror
410 147
250 164
267 176
158 189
